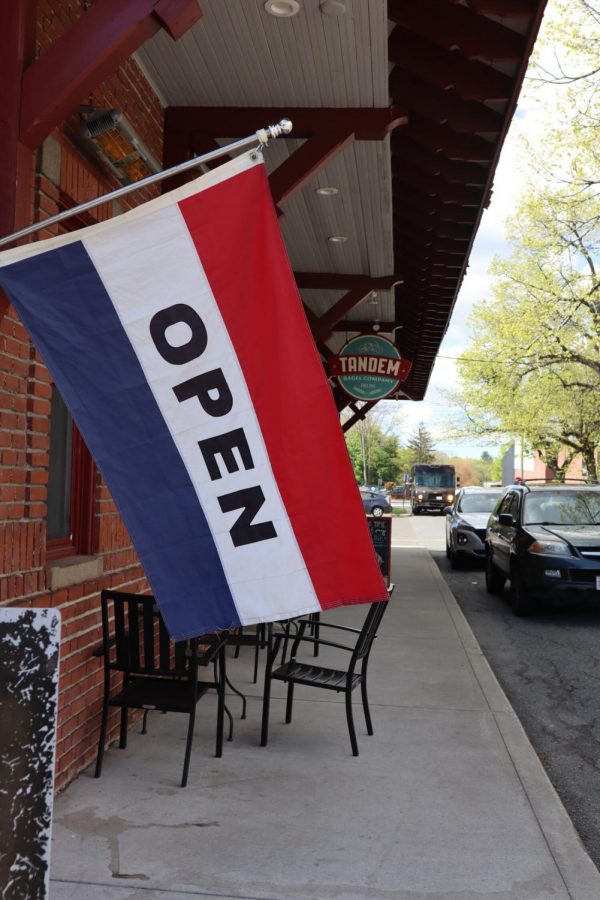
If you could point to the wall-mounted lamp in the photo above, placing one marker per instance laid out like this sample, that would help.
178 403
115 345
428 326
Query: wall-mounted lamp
118 145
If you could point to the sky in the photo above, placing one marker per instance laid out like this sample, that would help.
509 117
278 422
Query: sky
509 180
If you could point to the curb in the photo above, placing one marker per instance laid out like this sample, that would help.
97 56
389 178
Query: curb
581 877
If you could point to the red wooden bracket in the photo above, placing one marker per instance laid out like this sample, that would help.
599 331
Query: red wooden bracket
93 47
342 281
237 121
17 48
472 79
306 161
327 133
451 26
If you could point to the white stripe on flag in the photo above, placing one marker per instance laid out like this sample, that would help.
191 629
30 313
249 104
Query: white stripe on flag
147 266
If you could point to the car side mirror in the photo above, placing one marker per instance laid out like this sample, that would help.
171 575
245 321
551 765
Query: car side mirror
505 519
447 510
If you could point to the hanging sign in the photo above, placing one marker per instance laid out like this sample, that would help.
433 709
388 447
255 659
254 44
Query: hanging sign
369 367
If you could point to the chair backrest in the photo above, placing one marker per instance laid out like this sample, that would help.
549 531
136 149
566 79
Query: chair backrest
368 631
135 638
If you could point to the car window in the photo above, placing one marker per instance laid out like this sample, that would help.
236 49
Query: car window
483 502
505 505
577 507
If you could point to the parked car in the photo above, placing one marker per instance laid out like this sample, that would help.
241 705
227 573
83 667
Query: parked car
374 503
466 522
545 539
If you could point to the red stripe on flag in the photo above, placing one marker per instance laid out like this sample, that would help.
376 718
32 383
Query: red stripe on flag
235 231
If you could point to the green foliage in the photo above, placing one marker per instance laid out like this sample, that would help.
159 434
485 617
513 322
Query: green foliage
421 446
375 456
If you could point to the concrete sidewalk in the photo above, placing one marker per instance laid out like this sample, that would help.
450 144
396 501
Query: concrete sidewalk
447 801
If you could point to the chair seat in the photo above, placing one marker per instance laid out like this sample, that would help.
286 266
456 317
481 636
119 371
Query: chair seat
316 676
159 693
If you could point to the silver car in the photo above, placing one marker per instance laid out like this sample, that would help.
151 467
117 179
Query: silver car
374 503
466 521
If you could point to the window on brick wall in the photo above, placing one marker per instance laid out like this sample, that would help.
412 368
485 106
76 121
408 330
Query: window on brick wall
71 480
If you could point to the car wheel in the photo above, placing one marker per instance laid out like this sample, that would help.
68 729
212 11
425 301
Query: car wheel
520 601
448 551
494 580
455 560
377 511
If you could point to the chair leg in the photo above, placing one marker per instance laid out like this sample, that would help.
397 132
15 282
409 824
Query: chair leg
230 718
144 720
290 700
256 650
365 701
123 732
316 617
351 722
264 733
221 702
103 726
188 747
235 690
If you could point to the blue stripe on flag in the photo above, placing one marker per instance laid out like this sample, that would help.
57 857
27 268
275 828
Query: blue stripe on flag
70 317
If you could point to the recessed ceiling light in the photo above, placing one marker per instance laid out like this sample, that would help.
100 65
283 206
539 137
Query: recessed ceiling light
337 239
282 9
327 191
333 7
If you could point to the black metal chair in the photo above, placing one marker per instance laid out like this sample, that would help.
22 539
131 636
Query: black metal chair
310 675
256 638
157 673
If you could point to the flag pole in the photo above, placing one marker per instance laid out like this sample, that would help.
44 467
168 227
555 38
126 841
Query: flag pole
263 136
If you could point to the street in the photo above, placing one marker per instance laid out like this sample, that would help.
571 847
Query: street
548 666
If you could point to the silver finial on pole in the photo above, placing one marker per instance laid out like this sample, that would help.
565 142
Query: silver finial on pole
264 135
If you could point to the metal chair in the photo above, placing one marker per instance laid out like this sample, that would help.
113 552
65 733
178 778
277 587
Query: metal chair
310 675
157 673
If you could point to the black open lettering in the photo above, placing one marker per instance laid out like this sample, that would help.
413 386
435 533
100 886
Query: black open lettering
201 387
249 500
173 315
223 445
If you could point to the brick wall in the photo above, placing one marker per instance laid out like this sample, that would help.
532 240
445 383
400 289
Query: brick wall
64 177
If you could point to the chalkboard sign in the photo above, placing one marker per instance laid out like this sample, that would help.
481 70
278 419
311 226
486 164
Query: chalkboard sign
381 535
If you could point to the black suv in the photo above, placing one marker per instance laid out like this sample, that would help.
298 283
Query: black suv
544 538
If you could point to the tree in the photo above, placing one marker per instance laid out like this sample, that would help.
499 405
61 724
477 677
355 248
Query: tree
533 368
421 445
373 453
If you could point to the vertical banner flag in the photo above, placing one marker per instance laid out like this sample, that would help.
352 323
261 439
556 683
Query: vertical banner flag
176 336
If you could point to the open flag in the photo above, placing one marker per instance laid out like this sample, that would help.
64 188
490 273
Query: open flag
177 339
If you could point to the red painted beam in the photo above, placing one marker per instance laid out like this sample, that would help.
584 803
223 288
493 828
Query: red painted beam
443 139
358 414
305 162
457 26
17 48
472 79
510 9
365 124
443 106
338 311
454 171
340 281
93 47
360 326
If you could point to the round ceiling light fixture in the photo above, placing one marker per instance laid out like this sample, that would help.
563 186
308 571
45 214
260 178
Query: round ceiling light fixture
282 9
337 239
327 191
332 7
